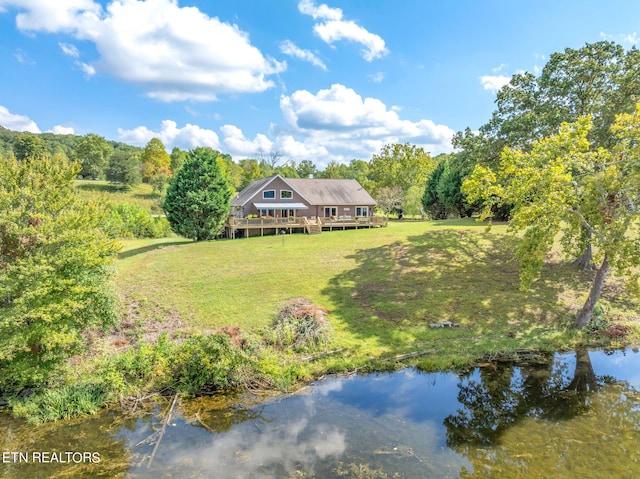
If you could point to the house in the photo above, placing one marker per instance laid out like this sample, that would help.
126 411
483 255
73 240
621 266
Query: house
275 204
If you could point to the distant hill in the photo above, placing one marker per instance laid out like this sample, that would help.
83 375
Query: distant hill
65 144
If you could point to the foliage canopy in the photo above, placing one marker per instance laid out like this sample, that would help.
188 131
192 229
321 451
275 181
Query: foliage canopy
54 270
563 186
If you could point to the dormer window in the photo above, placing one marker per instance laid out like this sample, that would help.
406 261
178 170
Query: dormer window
269 194
286 194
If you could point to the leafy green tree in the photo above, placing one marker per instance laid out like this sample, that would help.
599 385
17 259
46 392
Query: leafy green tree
287 170
251 171
389 200
412 204
230 169
197 200
29 145
599 79
400 166
306 169
54 270
333 170
156 165
564 186
93 153
177 159
124 168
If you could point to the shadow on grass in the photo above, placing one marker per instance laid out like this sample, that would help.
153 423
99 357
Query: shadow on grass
103 188
151 247
146 196
447 275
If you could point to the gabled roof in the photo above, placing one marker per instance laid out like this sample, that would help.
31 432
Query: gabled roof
316 191
320 191
251 190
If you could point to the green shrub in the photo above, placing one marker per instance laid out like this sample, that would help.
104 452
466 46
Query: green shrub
130 220
62 403
142 368
206 363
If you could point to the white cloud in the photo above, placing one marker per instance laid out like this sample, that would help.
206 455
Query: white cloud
289 48
87 69
17 122
347 126
493 83
323 11
626 39
377 77
334 124
55 17
175 53
333 27
62 130
189 136
22 57
69 49
237 145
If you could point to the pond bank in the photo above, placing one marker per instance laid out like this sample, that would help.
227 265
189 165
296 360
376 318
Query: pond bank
513 420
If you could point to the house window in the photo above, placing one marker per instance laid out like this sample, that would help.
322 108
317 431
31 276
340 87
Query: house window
286 194
362 211
269 194
330 211
264 212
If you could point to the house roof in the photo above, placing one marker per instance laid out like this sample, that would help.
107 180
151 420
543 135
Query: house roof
316 191
251 190
320 191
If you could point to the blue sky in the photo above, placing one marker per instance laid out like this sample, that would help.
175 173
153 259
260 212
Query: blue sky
311 80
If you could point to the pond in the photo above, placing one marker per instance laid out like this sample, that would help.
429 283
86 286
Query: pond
576 415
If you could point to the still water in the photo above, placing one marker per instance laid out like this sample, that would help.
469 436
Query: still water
575 416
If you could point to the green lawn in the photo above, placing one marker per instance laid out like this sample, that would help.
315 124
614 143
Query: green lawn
141 194
383 288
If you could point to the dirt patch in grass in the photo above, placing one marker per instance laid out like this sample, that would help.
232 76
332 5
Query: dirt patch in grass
140 322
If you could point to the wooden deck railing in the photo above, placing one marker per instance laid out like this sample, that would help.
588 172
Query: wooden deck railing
266 222
303 221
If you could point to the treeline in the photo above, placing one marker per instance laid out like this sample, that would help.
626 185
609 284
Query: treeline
599 79
395 176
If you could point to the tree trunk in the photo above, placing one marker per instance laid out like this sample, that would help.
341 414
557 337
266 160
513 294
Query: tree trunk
584 316
585 260
584 378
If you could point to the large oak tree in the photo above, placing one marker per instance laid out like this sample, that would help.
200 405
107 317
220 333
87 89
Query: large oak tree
562 186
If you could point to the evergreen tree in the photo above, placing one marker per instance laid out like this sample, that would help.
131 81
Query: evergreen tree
197 200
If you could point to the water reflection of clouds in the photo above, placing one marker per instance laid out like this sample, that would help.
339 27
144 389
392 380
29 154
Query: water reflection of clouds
419 397
328 386
253 449
619 364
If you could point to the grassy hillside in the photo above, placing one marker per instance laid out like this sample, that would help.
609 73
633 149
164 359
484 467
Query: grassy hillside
383 288
140 194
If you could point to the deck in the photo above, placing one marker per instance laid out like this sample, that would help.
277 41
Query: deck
246 227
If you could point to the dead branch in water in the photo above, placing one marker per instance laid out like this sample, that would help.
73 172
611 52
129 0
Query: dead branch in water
164 427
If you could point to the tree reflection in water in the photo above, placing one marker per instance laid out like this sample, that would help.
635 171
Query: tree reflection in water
542 421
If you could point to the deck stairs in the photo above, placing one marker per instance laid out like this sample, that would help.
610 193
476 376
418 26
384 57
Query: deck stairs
312 227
